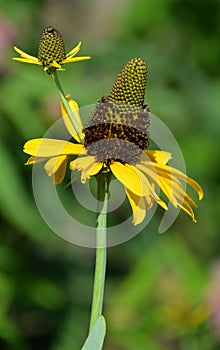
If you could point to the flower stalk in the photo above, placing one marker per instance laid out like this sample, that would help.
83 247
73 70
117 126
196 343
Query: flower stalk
66 105
103 180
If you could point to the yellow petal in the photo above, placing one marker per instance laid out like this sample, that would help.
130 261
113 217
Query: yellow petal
134 180
161 157
180 175
27 60
149 188
33 160
91 169
81 163
74 51
172 188
168 187
76 59
25 55
129 177
175 188
56 168
95 169
149 200
52 147
186 207
67 120
138 206
87 165
162 182
56 65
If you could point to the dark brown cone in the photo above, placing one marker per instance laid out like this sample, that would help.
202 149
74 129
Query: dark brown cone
118 127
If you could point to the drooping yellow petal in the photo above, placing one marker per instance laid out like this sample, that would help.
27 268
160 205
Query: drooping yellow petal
129 177
149 187
151 173
138 206
87 165
91 169
171 187
56 168
67 119
176 188
167 188
180 175
95 169
134 180
149 200
52 147
186 207
34 160
81 163
155 196
161 157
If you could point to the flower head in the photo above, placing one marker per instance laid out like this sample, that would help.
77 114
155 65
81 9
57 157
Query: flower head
116 140
51 52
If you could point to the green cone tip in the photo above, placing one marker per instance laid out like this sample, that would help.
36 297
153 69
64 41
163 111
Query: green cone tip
130 84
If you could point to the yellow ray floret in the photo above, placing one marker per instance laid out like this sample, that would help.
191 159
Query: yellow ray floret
51 148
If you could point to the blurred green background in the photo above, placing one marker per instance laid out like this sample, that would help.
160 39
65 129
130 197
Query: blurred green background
162 291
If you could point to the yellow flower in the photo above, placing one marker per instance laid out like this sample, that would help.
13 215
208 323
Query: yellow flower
51 52
116 141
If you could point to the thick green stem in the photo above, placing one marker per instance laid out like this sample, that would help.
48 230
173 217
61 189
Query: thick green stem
101 251
66 104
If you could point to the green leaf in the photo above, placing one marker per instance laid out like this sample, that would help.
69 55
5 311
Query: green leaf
95 339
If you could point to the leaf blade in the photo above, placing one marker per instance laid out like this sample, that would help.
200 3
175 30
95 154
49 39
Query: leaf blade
96 338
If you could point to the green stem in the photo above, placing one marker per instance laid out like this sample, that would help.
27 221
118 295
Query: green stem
101 251
66 104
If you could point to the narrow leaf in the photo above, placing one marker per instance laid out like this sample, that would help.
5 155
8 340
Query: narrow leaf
95 339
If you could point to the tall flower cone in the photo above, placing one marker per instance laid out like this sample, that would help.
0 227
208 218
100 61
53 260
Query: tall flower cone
116 140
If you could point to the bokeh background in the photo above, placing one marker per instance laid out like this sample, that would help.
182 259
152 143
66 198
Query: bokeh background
162 291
